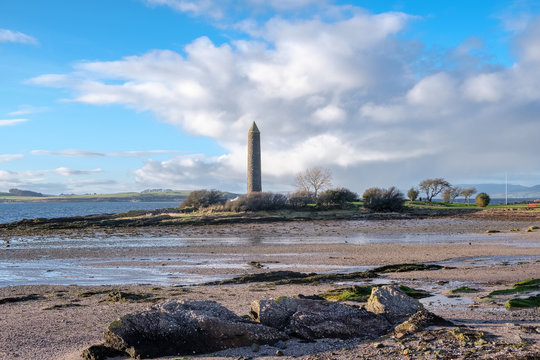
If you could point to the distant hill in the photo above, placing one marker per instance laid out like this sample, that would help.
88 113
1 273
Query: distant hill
178 195
18 192
514 191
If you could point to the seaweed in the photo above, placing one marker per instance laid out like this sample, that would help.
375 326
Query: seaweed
520 287
414 293
530 302
17 299
354 293
293 277
463 289
120 296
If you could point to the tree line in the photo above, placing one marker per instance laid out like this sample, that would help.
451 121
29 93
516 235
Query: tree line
314 191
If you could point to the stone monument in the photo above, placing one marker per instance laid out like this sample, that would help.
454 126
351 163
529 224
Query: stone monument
254 178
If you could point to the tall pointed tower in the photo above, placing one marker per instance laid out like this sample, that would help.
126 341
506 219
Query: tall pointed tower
254 178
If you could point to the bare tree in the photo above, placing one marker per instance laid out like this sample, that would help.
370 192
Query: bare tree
412 194
451 193
314 179
467 193
433 187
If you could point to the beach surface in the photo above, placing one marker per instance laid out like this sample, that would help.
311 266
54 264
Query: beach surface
54 313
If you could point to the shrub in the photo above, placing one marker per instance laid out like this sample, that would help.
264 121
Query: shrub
482 199
199 199
336 197
412 194
300 199
257 201
383 200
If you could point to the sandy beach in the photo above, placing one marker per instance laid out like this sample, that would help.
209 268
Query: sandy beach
60 317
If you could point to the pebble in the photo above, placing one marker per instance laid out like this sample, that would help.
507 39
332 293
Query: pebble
279 353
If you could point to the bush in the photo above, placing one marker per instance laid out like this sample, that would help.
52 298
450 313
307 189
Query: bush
199 199
257 201
482 199
412 194
300 199
336 197
383 200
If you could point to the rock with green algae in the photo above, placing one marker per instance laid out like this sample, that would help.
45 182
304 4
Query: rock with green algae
100 352
392 303
185 327
419 321
315 319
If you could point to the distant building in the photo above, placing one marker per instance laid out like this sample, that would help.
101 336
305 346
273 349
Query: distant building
254 177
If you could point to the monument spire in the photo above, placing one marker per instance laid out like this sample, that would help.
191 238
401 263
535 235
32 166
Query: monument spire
254 177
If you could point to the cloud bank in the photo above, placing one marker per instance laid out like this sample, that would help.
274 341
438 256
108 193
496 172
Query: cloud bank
349 94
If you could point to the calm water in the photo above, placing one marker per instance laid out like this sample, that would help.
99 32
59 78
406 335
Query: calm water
17 211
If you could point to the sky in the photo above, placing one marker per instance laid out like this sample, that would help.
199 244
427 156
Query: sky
100 96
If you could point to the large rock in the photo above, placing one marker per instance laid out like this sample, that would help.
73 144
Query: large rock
316 319
392 303
184 328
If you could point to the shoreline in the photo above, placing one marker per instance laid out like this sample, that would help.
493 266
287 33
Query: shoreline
59 321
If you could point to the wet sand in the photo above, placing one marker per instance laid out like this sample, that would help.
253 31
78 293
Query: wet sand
62 320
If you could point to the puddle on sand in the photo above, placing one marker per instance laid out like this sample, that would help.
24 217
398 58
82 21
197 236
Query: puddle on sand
159 271
438 300
483 261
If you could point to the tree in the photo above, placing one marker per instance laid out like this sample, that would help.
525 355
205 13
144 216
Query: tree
482 199
433 187
412 194
450 194
446 195
339 197
300 199
467 193
314 179
383 200
199 199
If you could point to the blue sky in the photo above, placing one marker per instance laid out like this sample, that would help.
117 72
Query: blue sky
106 96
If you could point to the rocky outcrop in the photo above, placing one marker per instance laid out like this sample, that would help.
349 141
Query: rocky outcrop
418 322
315 319
185 328
392 303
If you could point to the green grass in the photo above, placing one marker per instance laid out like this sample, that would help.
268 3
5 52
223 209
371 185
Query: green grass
439 204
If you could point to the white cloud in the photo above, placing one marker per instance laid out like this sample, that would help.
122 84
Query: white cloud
72 172
10 122
16 37
219 9
10 157
27 110
89 153
338 93
197 8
